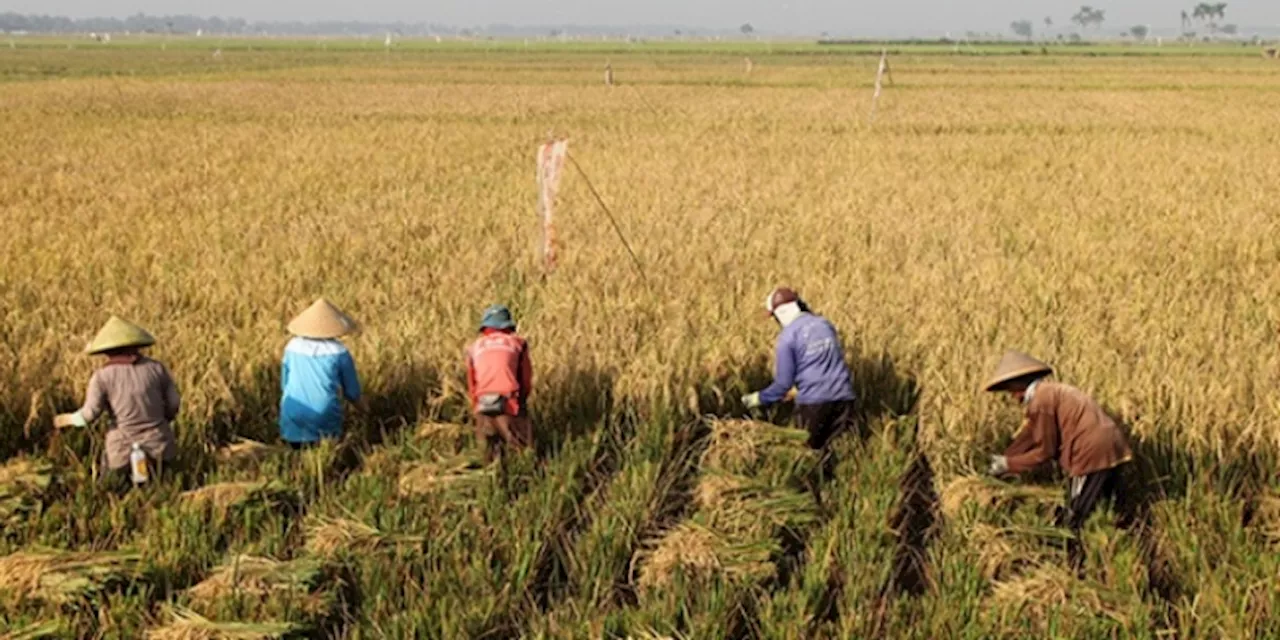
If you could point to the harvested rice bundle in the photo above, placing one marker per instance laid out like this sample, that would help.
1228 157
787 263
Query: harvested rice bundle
23 483
1051 587
426 477
187 625
37 631
446 434
732 503
63 576
695 553
757 448
1007 549
258 577
326 537
225 495
244 450
990 493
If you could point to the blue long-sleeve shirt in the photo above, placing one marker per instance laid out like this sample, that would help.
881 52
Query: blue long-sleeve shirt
809 357
315 377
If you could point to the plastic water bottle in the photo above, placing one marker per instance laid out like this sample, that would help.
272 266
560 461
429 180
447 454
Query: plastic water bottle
138 465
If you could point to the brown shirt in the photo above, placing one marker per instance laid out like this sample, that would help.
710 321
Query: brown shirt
1064 423
141 399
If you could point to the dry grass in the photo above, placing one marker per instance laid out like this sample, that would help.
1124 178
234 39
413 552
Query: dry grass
988 494
329 537
187 625
63 576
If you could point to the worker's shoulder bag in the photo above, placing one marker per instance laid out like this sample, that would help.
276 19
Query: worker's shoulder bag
491 404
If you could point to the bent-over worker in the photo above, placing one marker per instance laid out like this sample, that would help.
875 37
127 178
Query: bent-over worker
137 392
316 374
810 357
499 381
1063 423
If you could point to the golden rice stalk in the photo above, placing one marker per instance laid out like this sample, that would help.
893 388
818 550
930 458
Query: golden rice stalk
426 477
258 577
329 536
36 631
187 625
224 495
735 504
1266 517
1004 550
245 450
1052 587
740 446
990 493
697 554
443 432
62 576
23 483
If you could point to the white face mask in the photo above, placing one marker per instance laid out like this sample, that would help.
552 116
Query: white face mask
787 313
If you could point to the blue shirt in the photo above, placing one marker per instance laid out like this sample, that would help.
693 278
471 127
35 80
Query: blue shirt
811 359
316 375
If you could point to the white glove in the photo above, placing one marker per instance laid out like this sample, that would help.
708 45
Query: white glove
751 400
999 466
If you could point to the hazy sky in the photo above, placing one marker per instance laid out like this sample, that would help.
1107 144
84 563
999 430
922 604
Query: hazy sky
809 16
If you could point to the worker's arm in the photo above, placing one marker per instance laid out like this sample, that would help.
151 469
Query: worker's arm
350 380
1036 443
784 375
95 400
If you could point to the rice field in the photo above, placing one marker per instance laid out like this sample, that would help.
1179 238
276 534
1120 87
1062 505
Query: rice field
1112 210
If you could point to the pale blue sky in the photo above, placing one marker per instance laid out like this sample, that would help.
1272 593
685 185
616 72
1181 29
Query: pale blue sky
796 16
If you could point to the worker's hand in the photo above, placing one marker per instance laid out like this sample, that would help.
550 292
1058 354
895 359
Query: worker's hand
791 395
751 400
67 420
999 466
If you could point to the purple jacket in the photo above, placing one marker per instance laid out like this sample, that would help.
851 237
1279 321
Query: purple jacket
811 359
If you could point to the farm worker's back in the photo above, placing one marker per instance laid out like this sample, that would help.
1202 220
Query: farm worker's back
809 357
499 381
136 391
318 372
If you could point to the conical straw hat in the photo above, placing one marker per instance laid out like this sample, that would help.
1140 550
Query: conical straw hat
117 334
1016 364
322 320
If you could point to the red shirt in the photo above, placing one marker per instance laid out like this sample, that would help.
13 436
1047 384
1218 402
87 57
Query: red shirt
498 362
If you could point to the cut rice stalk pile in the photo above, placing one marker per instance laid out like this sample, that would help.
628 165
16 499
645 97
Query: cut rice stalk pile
327 537
244 450
1006 549
1051 587
37 631
753 448
23 483
735 504
444 433
224 495
992 494
694 553
63 576
259 577
426 477
187 625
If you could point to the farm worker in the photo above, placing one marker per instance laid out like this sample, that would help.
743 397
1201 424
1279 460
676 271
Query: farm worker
809 356
1065 424
136 391
317 373
499 381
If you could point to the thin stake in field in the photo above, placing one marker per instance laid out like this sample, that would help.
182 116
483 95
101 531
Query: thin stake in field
881 72
612 220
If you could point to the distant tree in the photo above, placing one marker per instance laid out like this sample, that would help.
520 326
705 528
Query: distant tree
1139 31
747 29
1230 29
1021 28
1048 23
1186 20
1089 17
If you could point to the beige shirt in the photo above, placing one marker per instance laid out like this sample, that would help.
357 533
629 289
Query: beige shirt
141 399
1064 423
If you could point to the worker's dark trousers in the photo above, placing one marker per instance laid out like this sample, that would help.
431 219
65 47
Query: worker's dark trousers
1084 493
824 421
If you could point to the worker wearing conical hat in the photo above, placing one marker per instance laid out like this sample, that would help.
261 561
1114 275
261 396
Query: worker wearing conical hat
810 357
316 374
499 381
137 392
1062 423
